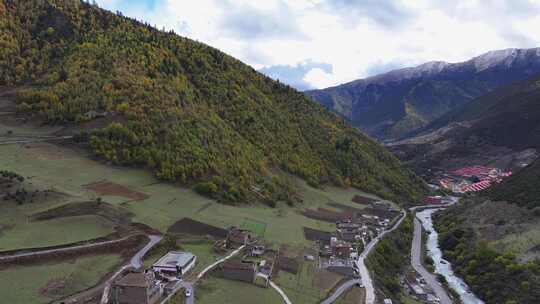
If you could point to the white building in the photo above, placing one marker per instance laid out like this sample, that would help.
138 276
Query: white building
175 264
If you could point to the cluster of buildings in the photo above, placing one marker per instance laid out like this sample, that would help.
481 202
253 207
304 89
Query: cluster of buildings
165 275
417 288
472 179
342 249
151 285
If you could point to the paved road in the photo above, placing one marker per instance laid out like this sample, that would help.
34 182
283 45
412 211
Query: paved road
281 292
191 285
137 259
135 262
365 278
210 267
340 290
416 262
191 288
367 282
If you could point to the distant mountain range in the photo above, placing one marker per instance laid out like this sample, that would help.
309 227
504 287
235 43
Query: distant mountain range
394 104
501 128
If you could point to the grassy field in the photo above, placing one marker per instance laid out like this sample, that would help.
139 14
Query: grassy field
43 283
218 291
69 171
54 232
309 285
167 203
352 296
257 227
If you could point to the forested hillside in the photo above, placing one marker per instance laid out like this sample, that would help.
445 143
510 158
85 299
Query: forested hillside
185 110
523 188
508 116
494 248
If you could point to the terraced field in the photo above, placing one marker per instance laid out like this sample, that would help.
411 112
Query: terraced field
43 283
139 197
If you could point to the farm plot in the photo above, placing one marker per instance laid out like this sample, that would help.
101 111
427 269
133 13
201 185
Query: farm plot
114 189
326 215
190 226
217 291
256 227
313 234
287 264
104 210
54 232
363 200
302 287
44 283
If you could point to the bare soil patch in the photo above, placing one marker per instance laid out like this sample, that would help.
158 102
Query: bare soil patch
126 247
110 188
363 200
326 215
105 210
53 287
45 151
325 279
288 264
190 226
313 234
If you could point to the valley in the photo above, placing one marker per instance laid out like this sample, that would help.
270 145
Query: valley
139 166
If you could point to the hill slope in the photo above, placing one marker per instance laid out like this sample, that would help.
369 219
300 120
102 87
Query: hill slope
489 128
393 104
183 109
521 189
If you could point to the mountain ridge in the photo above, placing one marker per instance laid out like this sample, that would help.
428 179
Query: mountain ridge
378 104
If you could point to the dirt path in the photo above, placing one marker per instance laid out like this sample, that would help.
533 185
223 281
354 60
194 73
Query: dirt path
191 285
36 254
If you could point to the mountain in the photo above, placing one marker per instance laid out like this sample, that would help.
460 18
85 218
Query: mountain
393 104
501 128
188 112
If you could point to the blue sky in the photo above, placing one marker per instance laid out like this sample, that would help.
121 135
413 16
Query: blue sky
319 43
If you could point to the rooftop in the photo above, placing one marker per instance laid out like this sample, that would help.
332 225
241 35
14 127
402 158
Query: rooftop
134 279
174 258
238 265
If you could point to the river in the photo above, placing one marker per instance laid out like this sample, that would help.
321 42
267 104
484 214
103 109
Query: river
442 266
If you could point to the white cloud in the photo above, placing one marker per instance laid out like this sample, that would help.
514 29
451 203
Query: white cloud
356 38
318 78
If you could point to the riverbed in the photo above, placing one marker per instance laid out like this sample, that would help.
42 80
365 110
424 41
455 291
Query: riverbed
442 266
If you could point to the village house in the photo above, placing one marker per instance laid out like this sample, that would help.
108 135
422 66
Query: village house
175 264
136 288
239 237
257 250
341 249
348 230
239 271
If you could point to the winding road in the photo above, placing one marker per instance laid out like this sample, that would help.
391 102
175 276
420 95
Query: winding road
37 254
281 292
191 285
213 265
340 290
365 277
135 262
